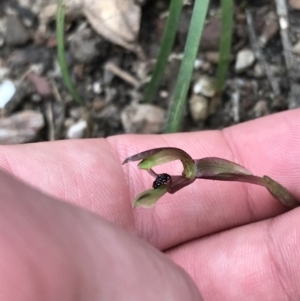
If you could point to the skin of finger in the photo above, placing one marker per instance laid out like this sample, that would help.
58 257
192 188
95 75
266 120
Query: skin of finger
89 173
54 251
259 261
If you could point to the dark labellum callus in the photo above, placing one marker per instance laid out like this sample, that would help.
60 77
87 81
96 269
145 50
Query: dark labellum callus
161 179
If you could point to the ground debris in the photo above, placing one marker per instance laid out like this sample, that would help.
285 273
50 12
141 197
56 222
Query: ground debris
21 127
16 33
204 85
143 118
245 59
7 91
77 130
198 105
294 4
112 80
118 21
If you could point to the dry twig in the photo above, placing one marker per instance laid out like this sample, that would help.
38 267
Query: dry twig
116 70
290 60
50 123
259 55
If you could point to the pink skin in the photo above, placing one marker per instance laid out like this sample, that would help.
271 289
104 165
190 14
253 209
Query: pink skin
241 248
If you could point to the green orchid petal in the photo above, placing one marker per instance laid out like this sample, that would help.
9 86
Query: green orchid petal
158 156
149 197
280 193
219 169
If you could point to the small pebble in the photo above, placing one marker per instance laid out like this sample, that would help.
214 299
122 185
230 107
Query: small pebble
3 72
36 97
197 64
77 130
98 104
84 51
143 118
261 108
201 64
296 48
163 94
7 91
198 105
258 71
245 59
213 56
97 88
205 86
69 122
16 33
23 90
75 112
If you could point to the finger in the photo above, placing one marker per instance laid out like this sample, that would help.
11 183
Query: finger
89 173
84 172
53 251
254 262
268 146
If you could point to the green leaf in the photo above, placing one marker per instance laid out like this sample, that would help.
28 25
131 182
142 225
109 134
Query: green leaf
187 65
227 7
165 48
60 28
149 197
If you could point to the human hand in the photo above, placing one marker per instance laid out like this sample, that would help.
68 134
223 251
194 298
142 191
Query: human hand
250 261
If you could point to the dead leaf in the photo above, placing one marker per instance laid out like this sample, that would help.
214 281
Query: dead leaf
295 4
118 21
21 127
41 84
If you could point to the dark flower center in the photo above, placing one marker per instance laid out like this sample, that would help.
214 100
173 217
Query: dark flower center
161 179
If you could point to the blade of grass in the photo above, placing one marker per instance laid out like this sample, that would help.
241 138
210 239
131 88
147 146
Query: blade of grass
165 48
227 7
187 65
60 28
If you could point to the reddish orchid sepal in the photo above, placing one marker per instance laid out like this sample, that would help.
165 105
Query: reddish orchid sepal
179 182
224 170
217 169
280 193
210 168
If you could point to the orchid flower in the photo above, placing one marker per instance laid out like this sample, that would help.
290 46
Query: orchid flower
211 168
